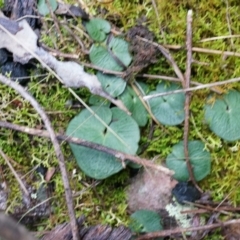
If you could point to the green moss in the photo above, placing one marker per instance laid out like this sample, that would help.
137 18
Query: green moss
209 20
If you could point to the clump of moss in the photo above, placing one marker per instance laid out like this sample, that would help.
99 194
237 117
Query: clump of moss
209 20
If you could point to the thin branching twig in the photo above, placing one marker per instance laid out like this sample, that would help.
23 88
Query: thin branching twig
203 86
168 56
170 232
204 50
20 182
156 10
174 79
136 88
188 98
59 154
229 22
115 153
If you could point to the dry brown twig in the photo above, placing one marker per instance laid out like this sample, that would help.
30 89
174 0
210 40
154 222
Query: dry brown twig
79 41
204 50
122 156
59 154
229 22
55 20
137 89
188 98
174 79
203 86
20 182
165 233
156 10
168 56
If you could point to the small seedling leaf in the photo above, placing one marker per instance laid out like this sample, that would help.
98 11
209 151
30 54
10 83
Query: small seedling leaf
98 29
120 49
100 56
43 8
143 221
86 126
114 57
168 110
223 116
135 106
112 84
200 160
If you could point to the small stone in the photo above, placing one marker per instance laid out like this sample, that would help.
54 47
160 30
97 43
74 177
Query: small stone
185 191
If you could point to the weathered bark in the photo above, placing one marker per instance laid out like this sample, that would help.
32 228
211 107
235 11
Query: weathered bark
99 232
15 9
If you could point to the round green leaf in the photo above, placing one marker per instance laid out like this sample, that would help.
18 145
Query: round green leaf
143 221
103 56
43 7
200 160
223 116
135 106
100 56
120 48
112 84
168 110
86 126
97 28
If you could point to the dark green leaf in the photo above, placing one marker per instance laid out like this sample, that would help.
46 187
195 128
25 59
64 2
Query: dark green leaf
112 84
86 126
135 106
200 160
168 110
108 57
120 49
97 28
143 221
223 116
100 56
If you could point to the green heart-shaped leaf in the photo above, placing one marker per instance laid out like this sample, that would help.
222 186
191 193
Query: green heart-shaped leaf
143 221
97 28
168 110
200 160
135 106
223 116
120 49
125 137
100 56
112 84
108 57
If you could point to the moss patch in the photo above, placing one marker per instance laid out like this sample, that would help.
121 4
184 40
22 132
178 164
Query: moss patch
106 202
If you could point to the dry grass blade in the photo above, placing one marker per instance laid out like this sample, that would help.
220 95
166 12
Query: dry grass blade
5 157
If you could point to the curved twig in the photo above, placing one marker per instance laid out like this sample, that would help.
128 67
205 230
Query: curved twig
59 154
122 156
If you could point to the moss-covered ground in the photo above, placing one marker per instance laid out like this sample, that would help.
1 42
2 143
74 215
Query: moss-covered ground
106 203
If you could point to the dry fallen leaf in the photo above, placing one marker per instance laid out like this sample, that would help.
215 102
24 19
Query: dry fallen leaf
150 189
24 47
